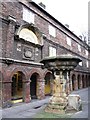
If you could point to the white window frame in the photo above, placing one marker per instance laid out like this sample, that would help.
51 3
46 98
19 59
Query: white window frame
87 63
79 48
28 15
52 31
86 51
80 63
18 46
52 51
68 41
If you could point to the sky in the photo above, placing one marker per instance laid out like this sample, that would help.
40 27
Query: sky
71 12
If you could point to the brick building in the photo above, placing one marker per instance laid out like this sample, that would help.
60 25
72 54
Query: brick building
29 34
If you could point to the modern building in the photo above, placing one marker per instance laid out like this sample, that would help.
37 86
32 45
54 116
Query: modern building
29 34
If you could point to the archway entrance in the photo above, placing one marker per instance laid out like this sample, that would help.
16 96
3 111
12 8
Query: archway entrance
73 82
86 81
83 82
79 84
33 85
17 86
89 80
48 88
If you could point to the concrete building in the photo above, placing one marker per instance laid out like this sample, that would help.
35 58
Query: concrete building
29 34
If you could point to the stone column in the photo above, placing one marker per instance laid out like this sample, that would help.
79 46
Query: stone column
40 88
6 94
76 83
26 91
68 83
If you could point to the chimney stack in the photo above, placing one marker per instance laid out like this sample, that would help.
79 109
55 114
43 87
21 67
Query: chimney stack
67 25
80 37
42 5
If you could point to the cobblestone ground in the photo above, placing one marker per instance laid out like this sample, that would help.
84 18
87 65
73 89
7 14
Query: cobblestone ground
31 109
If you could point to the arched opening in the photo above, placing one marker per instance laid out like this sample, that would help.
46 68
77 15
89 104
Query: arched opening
33 85
48 88
86 81
83 82
73 81
17 86
89 80
79 81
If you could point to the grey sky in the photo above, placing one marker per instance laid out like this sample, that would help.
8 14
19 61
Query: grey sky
72 12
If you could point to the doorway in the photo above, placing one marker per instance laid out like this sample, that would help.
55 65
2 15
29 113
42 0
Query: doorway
17 86
33 86
48 87
73 82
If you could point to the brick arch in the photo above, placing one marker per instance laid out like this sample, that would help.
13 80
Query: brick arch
79 81
37 71
10 72
73 81
86 77
89 79
83 81
45 72
2 72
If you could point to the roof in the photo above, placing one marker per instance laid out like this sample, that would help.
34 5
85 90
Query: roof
53 18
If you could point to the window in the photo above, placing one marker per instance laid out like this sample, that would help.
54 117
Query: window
79 48
18 46
28 16
80 63
86 52
87 64
69 41
52 31
28 35
52 51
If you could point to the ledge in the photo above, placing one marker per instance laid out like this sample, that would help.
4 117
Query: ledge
11 61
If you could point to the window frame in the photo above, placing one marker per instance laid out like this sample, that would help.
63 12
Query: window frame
28 15
52 30
52 51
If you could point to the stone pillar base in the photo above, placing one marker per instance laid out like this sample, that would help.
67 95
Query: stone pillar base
57 104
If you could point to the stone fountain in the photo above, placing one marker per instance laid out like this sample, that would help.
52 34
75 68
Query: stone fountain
60 67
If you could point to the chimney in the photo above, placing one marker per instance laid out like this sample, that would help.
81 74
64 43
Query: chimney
42 5
80 37
67 25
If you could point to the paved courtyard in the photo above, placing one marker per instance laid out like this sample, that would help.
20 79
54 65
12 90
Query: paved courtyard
29 110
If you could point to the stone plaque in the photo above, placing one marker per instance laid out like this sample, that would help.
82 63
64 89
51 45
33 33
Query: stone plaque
28 54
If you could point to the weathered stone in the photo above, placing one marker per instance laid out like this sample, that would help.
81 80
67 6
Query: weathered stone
74 101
